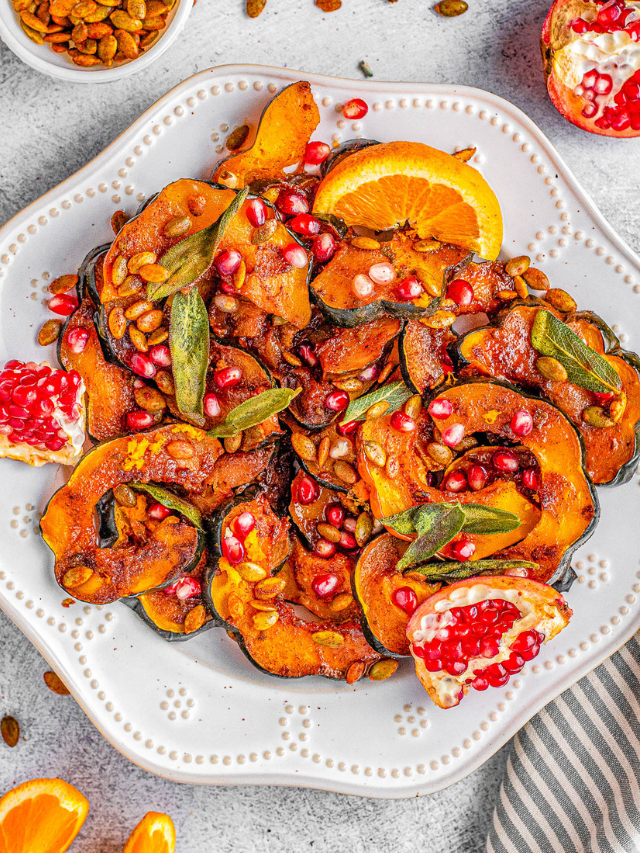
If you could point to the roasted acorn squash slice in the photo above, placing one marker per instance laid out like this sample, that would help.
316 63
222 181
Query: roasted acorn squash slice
424 361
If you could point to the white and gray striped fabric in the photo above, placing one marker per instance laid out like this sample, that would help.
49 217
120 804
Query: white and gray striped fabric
572 779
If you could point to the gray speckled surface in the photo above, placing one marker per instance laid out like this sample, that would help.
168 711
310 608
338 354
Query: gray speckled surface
49 130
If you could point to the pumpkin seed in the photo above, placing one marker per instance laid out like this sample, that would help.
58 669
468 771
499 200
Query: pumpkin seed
451 9
364 528
63 283
235 606
156 8
76 576
10 730
226 304
122 21
386 667
164 381
33 22
264 621
269 587
440 453
138 339
355 672
137 8
158 337
117 322
345 472
329 532
440 320
597 417
329 5
392 468
264 232
551 368
377 410
197 205
177 226
265 606
536 279
107 48
517 266
237 137
341 602
341 447
240 275
329 639
560 300
99 31
55 683
507 295
292 359
124 495
127 44
465 155
129 286
424 246
87 7
32 34
80 33
366 243
375 453
304 447
150 321
351 385
49 332
89 47
195 619
251 572
180 449
137 309
155 273
413 406
19 5
141 259
255 7
232 443
154 24
617 407
323 452
101 14
466 443
149 399
119 269
84 60
520 286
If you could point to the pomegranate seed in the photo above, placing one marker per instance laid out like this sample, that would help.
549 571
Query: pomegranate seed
361 286
187 588
233 549
463 549
589 79
292 202
402 422
589 110
42 408
580 26
455 482
325 585
158 511
440 408
603 84
228 262
308 491
142 365
295 255
530 478
355 109
211 405
227 377
316 153
335 514
460 291
228 288
348 540
305 224
348 428
521 423
77 340
160 355
307 354
505 460
480 682
244 523
406 599
489 647
410 288
382 273
324 247
369 373
497 675
529 654
54 444
63 304
524 641
453 435
418 651
139 420
477 476
513 663
324 549
456 667
23 395
621 121
336 401
257 212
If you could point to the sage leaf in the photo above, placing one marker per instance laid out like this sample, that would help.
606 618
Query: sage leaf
171 501
450 571
395 394
403 522
484 520
585 367
190 258
437 524
254 411
189 346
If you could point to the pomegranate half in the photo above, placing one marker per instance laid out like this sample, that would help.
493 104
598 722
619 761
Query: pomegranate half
481 631
591 58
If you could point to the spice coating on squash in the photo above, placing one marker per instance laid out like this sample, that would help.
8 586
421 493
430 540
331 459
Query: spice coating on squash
423 355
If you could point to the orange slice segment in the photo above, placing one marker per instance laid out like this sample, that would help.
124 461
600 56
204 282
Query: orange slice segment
389 185
154 834
41 816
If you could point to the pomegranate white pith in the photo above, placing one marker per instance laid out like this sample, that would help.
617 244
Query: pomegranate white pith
527 613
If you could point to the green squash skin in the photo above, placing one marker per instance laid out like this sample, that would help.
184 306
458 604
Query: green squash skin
343 151
564 571
405 367
169 636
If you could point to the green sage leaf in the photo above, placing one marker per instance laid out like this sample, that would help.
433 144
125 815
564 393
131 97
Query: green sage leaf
189 345
585 367
190 258
483 520
437 524
254 411
450 571
403 522
395 394
171 501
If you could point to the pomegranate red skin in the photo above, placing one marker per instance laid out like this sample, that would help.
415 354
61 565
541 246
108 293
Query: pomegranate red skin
546 602
563 98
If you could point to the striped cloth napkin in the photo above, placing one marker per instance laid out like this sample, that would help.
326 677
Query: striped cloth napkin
572 779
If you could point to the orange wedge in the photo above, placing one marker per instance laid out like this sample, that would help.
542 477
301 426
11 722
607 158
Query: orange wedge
389 185
41 816
154 834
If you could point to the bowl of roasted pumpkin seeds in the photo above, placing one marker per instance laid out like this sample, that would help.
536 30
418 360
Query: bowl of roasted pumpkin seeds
93 41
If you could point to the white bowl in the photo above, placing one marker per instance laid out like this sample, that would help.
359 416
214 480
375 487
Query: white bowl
42 58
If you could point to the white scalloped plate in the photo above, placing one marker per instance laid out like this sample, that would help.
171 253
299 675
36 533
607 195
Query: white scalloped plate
197 711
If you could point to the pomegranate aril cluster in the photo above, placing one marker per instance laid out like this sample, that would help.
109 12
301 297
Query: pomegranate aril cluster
233 547
32 397
596 90
475 631
345 524
612 17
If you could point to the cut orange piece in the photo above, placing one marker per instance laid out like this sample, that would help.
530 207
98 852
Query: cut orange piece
395 183
154 834
41 816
